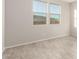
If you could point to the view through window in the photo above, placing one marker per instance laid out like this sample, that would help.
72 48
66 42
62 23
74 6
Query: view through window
54 13
40 12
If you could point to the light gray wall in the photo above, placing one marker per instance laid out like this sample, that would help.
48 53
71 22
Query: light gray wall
73 29
19 26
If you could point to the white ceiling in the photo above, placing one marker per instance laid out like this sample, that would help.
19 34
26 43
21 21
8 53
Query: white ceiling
69 0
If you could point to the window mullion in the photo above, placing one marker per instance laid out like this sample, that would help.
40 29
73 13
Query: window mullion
48 15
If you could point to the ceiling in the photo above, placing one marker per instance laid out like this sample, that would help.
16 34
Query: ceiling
69 0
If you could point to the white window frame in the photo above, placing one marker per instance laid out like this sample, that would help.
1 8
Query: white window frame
48 12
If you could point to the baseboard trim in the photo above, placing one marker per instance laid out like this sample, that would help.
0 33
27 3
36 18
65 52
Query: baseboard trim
64 35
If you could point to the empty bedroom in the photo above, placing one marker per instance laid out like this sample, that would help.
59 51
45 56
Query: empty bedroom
40 29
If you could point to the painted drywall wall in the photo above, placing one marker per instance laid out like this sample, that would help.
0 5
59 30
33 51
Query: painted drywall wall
73 29
19 26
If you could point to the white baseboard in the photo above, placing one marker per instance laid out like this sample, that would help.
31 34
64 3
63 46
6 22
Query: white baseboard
35 41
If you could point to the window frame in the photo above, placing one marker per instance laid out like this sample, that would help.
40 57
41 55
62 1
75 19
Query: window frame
54 13
48 13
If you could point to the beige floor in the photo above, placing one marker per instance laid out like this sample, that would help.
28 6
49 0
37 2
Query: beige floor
61 48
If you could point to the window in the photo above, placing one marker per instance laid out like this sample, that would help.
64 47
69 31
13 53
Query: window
54 11
39 12
75 18
43 11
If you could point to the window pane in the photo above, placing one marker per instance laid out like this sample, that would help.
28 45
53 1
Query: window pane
39 10
55 9
54 13
54 19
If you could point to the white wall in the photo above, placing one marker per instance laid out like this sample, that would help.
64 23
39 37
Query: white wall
73 29
19 28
